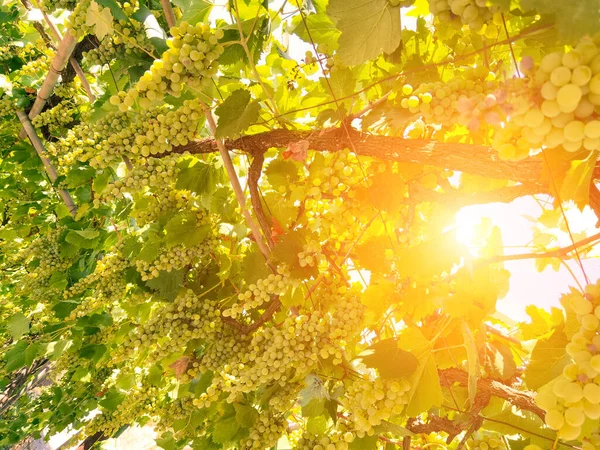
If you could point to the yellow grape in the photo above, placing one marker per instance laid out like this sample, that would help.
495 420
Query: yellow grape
572 59
562 119
595 84
572 392
575 416
595 362
551 61
580 305
585 109
407 89
591 393
568 97
590 322
592 410
534 118
532 447
592 129
569 432
560 76
581 75
549 90
554 138
555 419
550 108
574 131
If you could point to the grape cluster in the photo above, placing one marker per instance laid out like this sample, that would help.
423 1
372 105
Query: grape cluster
107 275
57 117
156 173
190 60
154 205
482 440
561 108
7 106
371 402
258 294
575 394
128 38
474 13
469 100
138 403
36 68
333 441
311 254
52 5
265 433
187 317
77 21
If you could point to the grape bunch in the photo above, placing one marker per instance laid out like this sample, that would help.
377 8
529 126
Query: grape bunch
36 68
128 38
56 118
188 317
77 21
558 107
482 440
333 441
265 433
470 100
7 106
52 5
574 396
311 254
370 402
190 60
474 13
258 294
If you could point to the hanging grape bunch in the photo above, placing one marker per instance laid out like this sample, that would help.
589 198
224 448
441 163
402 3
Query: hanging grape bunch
574 397
189 61
474 13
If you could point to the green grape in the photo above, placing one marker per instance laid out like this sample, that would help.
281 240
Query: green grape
560 76
568 97
581 75
574 131
592 129
551 61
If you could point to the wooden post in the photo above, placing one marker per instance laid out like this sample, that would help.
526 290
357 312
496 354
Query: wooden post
67 44
41 151
169 13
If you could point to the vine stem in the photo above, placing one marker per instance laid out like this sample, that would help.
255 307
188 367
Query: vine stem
235 184
41 151
169 13
66 47
244 44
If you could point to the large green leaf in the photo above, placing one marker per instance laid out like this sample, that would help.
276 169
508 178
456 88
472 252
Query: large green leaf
183 229
199 177
194 11
236 114
167 284
548 359
368 27
389 359
18 325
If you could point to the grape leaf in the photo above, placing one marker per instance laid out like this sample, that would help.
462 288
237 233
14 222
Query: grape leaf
18 325
281 173
548 359
368 27
426 390
167 283
194 11
321 28
576 185
236 114
389 359
183 229
15 357
83 238
364 443
245 415
198 176
101 21
225 430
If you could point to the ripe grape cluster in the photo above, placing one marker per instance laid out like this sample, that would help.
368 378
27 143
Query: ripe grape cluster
8 106
561 108
470 100
474 13
574 396
129 38
77 21
370 402
52 5
190 60
258 294
56 118
333 441
265 433
173 325
482 440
